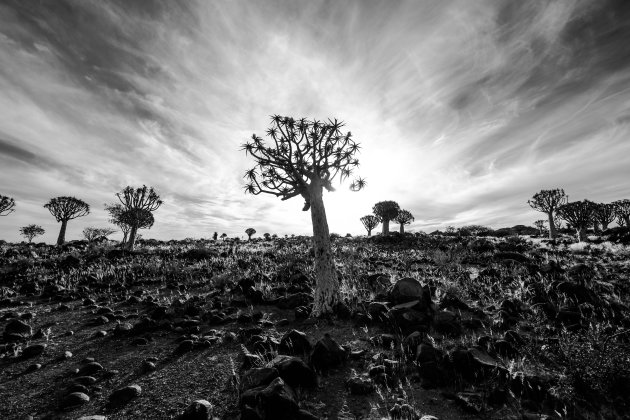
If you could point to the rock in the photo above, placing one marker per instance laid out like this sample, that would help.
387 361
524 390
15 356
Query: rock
147 366
327 353
409 289
295 342
92 417
85 380
34 350
378 282
90 369
470 401
402 412
75 399
123 329
17 329
198 410
378 311
278 401
295 300
360 386
74 387
124 395
185 346
33 368
258 377
295 372
446 322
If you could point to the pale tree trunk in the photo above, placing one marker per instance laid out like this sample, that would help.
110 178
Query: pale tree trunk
132 238
552 226
125 233
385 227
326 280
62 233
402 229
369 232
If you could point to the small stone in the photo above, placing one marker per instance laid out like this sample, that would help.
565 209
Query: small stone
34 350
75 399
198 410
90 369
124 395
360 386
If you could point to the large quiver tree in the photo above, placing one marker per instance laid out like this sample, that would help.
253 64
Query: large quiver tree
580 215
622 210
370 222
386 211
302 158
548 201
7 205
65 209
137 202
403 218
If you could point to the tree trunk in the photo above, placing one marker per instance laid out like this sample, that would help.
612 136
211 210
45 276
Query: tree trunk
369 232
132 238
385 227
402 229
62 233
604 226
125 233
626 220
581 234
552 226
326 280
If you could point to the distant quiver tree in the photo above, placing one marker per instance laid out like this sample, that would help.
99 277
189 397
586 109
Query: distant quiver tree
138 201
302 158
604 215
65 209
31 231
622 210
7 205
403 218
580 215
249 232
386 211
548 201
370 222
540 225
124 219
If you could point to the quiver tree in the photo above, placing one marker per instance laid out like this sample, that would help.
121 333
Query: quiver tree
580 215
7 205
548 201
540 225
137 202
403 218
622 210
370 222
386 211
249 232
31 231
64 209
302 158
125 219
604 215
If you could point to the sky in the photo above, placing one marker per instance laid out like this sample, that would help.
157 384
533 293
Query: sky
463 109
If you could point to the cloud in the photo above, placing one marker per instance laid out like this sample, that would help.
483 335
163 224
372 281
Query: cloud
463 110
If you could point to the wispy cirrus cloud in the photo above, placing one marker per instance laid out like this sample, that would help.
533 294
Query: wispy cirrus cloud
463 110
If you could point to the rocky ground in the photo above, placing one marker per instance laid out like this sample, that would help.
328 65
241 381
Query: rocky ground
430 327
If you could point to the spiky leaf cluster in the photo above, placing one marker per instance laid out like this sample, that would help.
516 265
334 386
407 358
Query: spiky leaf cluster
7 205
298 152
370 221
548 200
404 217
579 214
142 198
386 210
92 233
125 219
67 208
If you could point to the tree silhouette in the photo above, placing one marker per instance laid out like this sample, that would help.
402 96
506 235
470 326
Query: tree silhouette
403 217
249 232
7 205
540 225
125 219
31 231
622 210
386 211
65 209
223 236
138 201
302 158
579 214
370 222
604 215
548 201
